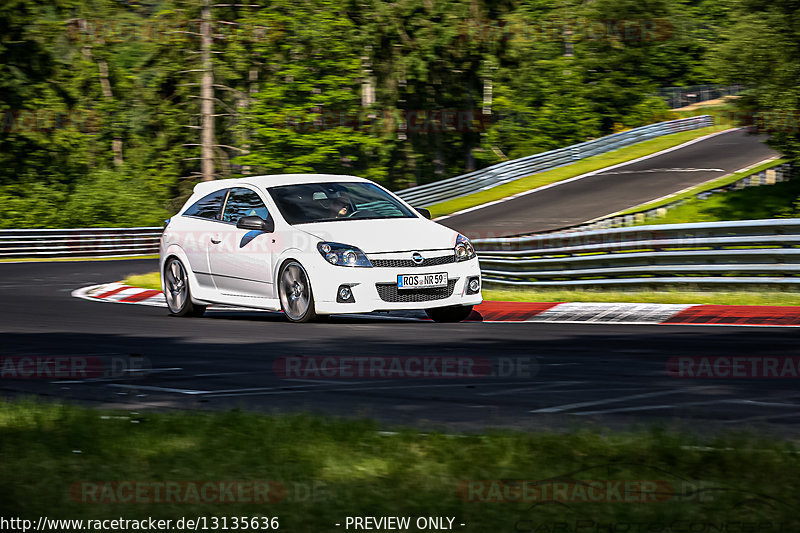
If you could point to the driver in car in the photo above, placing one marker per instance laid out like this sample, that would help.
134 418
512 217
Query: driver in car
340 206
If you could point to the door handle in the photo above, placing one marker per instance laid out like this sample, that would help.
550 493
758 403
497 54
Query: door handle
216 240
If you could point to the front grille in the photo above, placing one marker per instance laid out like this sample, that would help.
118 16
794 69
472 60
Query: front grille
408 263
389 293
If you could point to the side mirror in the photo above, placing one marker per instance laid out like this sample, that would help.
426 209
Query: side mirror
424 212
256 223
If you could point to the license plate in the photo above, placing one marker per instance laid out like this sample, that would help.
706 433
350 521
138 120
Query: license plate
421 281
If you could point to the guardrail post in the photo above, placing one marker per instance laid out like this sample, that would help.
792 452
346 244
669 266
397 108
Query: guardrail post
769 176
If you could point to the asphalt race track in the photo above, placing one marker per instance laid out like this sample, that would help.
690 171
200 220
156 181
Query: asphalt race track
573 375
617 189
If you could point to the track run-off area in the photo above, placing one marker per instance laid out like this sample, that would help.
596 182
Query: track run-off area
500 374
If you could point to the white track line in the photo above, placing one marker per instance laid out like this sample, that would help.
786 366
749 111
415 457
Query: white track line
764 404
566 407
360 389
535 388
687 404
157 389
676 193
645 408
582 176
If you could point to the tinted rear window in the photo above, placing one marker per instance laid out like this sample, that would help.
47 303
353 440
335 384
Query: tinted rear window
208 206
243 203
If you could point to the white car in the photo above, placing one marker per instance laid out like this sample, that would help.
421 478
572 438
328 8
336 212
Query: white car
313 245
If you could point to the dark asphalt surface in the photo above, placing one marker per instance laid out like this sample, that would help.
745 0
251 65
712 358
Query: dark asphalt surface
608 192
608 375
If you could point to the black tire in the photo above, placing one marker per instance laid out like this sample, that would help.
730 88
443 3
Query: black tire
454 313
294 290
177 292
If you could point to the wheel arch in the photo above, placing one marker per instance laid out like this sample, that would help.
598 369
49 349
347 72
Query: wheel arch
290 254
177 252
291 258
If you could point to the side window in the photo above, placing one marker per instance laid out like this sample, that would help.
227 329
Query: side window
243 203
207 206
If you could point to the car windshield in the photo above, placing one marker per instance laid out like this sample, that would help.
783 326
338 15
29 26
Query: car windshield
323 202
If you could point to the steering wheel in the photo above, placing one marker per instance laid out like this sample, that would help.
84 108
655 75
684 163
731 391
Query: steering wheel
366 213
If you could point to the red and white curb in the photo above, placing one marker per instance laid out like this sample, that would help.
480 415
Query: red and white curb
121 294
570 312
619 313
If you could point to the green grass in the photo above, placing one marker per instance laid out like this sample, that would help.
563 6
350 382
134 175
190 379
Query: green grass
766 201
746 204
570 171
151 280
332 469
703 187
723 113
666 296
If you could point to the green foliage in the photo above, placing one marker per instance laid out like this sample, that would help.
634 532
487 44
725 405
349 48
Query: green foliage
303 117
100 98
104 197
113 196
759 49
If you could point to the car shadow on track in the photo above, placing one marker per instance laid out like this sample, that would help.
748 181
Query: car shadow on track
360 318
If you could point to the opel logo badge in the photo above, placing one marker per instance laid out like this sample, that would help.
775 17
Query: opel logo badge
417 258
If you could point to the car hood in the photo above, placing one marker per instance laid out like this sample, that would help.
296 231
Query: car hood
384 235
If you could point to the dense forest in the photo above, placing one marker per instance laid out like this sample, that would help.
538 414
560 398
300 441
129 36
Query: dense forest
112 110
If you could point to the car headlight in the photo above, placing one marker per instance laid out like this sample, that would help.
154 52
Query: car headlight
340 254
464 250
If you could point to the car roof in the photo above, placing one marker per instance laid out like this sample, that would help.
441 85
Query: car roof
273 180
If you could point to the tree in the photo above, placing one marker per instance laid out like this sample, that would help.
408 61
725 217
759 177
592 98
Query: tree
762 51
306 116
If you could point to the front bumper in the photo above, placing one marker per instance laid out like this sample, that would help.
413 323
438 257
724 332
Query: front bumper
375 289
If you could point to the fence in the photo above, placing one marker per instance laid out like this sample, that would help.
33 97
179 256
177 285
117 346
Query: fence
507 171
83 242
685 96
754 252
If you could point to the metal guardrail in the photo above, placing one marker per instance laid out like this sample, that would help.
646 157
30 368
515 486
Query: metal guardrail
751 252
506 171
80 242
755 252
